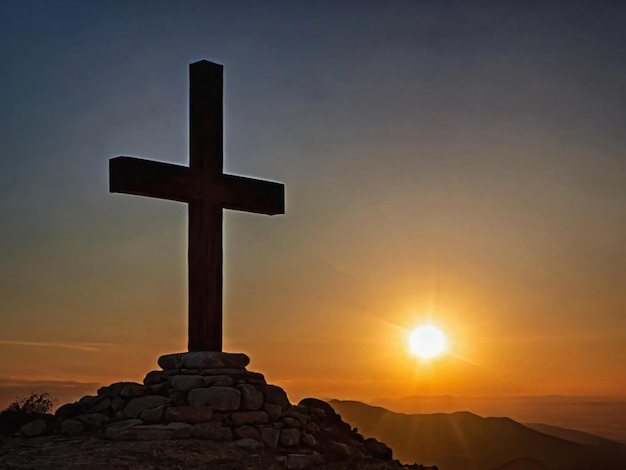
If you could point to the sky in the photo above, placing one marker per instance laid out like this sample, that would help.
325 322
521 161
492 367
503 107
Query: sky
454 163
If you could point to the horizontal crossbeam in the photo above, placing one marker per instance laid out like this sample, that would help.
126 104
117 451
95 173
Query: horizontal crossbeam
131 175
252 195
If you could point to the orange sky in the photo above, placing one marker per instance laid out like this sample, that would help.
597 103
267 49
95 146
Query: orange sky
459 166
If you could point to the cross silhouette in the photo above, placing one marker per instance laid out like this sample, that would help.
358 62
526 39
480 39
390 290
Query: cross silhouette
207 190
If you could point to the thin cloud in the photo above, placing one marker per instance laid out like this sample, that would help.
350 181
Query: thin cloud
50 344
16 382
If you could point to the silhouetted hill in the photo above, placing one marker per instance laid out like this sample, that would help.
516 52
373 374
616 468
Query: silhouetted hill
598 415
465 441
524 463
575 436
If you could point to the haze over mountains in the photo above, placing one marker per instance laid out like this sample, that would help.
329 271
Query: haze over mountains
465 441
600 415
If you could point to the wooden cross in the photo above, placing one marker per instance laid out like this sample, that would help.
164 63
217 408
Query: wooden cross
207 190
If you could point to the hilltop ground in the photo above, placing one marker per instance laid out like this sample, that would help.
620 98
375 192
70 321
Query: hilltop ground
79 452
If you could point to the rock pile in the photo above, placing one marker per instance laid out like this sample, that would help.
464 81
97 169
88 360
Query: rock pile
211 395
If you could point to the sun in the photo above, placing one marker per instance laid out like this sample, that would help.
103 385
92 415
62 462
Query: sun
427 342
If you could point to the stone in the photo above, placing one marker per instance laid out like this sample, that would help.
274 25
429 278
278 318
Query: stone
194 371
220 416
235 374
317 459
291 422
213 431
276 396
157 432
181 432
170 362
72 427
162 388
184 383
157 376
317 407
319 413
340 450
255 378
218 398
153 415
173 426
89 400
67 411
247 432
214 360
137 405
297 461
377 449
222 380
114 430
249 444
112 390
203 360
102 405
146 434
325 416
189 414
273 411
308 439
117 404
178 398
269 437
289 437
240 376
251 399
131 390
240 418
34 428
93 420
302 409
311 427
301 418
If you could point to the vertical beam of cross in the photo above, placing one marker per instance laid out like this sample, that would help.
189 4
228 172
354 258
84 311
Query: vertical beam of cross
205 253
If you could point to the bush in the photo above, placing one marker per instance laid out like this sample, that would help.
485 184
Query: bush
36 404
26 409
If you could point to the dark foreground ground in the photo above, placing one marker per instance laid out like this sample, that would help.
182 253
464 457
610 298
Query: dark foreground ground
88 452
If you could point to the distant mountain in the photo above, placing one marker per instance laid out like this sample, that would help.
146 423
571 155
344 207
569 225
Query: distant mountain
575 436
599 415
465 441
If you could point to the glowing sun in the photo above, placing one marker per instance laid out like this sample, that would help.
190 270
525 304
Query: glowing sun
427 342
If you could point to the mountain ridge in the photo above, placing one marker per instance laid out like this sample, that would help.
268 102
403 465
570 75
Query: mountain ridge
466 441
603 416
574 435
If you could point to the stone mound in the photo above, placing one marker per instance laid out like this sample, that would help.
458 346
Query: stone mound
212 396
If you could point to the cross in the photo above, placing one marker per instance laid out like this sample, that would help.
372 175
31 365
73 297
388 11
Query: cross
206 190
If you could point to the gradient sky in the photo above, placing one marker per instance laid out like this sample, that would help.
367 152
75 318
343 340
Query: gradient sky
450 163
